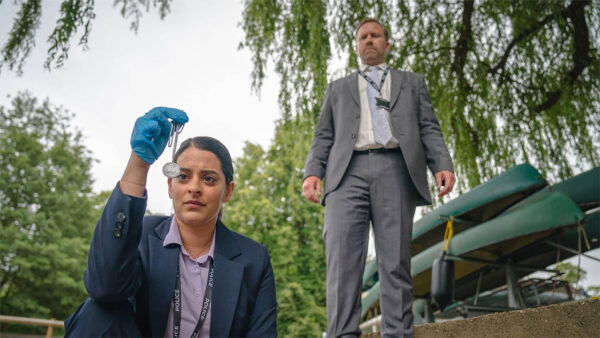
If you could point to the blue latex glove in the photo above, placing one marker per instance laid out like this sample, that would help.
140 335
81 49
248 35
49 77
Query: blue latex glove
151 132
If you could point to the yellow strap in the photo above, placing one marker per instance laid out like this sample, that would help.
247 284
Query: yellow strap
581 229
448 234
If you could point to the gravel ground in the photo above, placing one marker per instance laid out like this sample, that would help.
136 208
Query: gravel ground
574 319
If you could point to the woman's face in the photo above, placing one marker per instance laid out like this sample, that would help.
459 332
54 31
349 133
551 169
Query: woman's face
200 190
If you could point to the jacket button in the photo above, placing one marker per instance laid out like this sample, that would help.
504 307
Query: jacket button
116 233
353 135
121 217
357 116
119 225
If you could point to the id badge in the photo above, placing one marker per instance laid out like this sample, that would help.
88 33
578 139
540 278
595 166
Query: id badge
382 103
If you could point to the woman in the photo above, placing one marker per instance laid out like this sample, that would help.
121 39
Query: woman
185 275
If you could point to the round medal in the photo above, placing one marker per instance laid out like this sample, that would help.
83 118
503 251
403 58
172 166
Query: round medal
171 169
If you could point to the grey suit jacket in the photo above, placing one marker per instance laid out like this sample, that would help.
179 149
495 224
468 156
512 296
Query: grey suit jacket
413 121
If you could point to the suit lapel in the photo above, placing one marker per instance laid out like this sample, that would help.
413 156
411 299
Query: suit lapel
398 79
228 281
352 84
163 263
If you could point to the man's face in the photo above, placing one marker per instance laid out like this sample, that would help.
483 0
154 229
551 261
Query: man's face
371 46
200 190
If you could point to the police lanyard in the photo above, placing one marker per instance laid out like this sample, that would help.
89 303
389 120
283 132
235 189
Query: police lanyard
372 83
205 303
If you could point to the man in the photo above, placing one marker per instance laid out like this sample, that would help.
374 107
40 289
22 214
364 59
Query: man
376 135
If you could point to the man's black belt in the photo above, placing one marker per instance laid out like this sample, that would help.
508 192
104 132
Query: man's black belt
377 151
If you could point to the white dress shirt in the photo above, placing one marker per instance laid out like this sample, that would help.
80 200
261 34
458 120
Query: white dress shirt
365 139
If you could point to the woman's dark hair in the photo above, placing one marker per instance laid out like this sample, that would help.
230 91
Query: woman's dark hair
215 147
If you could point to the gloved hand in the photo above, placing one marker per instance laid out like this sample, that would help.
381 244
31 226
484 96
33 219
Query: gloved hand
151 132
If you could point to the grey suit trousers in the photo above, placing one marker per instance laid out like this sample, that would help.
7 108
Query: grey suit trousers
377 188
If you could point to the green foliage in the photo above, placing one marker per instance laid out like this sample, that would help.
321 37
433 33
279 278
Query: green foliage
294 36
21 39
571 273
133 9
74 15
511 81
47 211
574 275
594 290
268 206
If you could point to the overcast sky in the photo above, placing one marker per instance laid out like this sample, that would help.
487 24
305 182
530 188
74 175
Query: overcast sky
190 60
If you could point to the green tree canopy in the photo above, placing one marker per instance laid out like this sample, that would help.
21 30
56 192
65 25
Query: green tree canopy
268 206
512 81
47 211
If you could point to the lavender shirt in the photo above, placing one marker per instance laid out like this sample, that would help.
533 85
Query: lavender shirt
194 275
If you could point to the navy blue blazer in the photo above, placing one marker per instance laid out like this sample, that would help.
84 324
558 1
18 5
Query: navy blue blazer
127 259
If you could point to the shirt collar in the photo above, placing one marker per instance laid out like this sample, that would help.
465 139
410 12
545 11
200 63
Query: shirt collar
174 237
381 66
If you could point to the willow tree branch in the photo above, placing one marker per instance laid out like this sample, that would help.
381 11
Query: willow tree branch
520 37
581 52
463 44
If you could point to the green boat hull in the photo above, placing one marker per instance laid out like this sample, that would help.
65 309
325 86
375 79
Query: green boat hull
539 254
475 206
478 205
583 189
493 240
528 246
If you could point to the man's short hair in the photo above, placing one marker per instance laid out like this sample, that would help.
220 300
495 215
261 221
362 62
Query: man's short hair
386 33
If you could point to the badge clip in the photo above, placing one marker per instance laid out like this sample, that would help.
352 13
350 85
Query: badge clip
382 103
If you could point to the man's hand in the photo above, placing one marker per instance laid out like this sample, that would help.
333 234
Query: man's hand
312 189
444 178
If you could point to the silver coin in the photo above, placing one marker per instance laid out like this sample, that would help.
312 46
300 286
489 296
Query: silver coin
171 169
